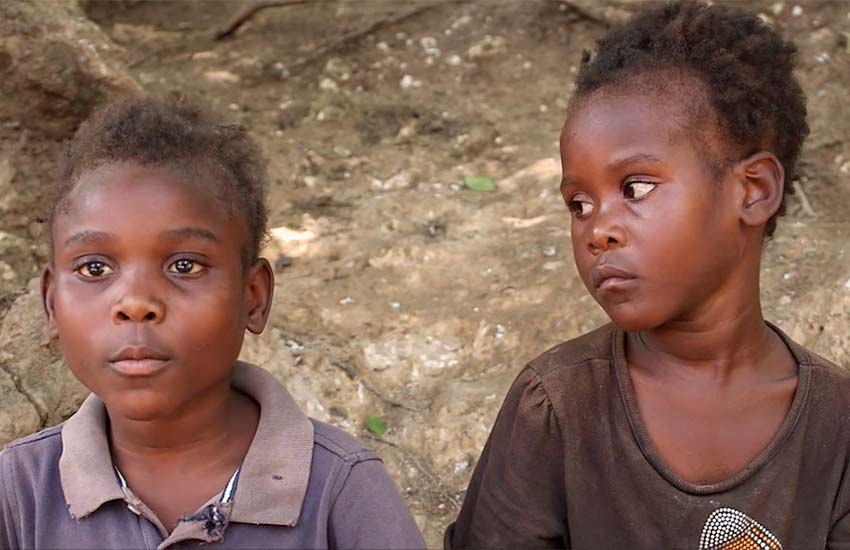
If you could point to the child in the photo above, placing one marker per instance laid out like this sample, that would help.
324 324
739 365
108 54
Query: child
689 422
154 278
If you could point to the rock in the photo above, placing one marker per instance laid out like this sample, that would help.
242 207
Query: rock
14 251
57 65
487 47
43 385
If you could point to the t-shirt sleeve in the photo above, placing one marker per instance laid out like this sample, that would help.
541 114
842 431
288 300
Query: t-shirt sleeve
369 512
517 496
7 515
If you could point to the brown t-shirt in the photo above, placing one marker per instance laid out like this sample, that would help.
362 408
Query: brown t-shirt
569 465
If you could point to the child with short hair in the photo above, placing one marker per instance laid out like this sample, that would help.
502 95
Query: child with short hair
155 275
689 422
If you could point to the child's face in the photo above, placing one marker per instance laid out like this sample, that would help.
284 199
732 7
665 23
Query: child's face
654 237
147 292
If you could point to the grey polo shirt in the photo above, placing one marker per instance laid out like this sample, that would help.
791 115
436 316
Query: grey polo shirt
303 484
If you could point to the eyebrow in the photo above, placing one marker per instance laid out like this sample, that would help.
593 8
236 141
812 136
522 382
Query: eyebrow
640 157
87 236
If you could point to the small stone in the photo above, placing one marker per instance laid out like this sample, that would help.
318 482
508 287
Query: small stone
847 284
429 45
221 77
550 251
342 152
797 11
328 84
395 306
501 332
295 347
346 301
408 81
454 60
784 300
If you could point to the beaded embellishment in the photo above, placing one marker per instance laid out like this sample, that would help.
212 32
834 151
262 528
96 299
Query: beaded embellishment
730 529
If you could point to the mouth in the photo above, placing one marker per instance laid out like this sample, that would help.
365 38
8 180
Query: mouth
607 277
138 361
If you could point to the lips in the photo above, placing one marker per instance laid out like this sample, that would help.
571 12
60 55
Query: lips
138 361
610 277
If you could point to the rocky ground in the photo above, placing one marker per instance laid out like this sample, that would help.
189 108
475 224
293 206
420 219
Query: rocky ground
401 294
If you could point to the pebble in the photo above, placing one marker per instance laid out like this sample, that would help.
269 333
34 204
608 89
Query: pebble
797 11
550 251
395 306
454 60
328 84
408 81
847 284
294 346
346 301
342 152
501 331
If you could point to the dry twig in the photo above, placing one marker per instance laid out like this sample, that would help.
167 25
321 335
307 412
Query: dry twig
804 200
245 15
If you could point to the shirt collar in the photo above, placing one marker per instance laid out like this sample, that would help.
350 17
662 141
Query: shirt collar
273 477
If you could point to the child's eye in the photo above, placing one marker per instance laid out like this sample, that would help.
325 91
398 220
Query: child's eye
185 266
637 189
579 208
93 270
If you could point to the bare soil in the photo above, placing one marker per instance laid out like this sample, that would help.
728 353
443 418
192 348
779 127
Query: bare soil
401 293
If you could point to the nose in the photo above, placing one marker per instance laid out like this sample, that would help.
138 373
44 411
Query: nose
138 305
605 232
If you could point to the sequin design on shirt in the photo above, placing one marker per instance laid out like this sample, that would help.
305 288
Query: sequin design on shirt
730 529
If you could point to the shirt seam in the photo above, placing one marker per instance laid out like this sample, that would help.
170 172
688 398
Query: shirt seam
55 431
351 457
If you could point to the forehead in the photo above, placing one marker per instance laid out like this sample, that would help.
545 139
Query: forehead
608 126
125 198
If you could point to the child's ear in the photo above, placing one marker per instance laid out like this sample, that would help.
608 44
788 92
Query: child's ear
259 293
47 301
762 180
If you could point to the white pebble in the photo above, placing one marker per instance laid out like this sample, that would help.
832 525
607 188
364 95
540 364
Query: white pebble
347 300
797 11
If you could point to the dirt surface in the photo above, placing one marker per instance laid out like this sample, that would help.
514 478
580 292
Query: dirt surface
401 293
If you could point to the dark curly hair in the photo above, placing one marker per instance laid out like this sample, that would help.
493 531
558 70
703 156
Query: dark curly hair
745 68
176 134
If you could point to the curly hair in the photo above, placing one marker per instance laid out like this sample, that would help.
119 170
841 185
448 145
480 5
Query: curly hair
175 134
745 67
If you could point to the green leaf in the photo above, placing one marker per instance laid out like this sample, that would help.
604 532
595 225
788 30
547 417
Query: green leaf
376 425
480 183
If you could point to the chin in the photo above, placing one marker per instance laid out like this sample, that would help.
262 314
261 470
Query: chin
137 405
629 317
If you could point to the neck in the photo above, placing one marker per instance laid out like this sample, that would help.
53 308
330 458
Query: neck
726 333
195 431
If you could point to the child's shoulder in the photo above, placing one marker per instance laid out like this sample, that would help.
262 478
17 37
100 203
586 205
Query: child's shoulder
42 445
339 444
596 345
31 461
